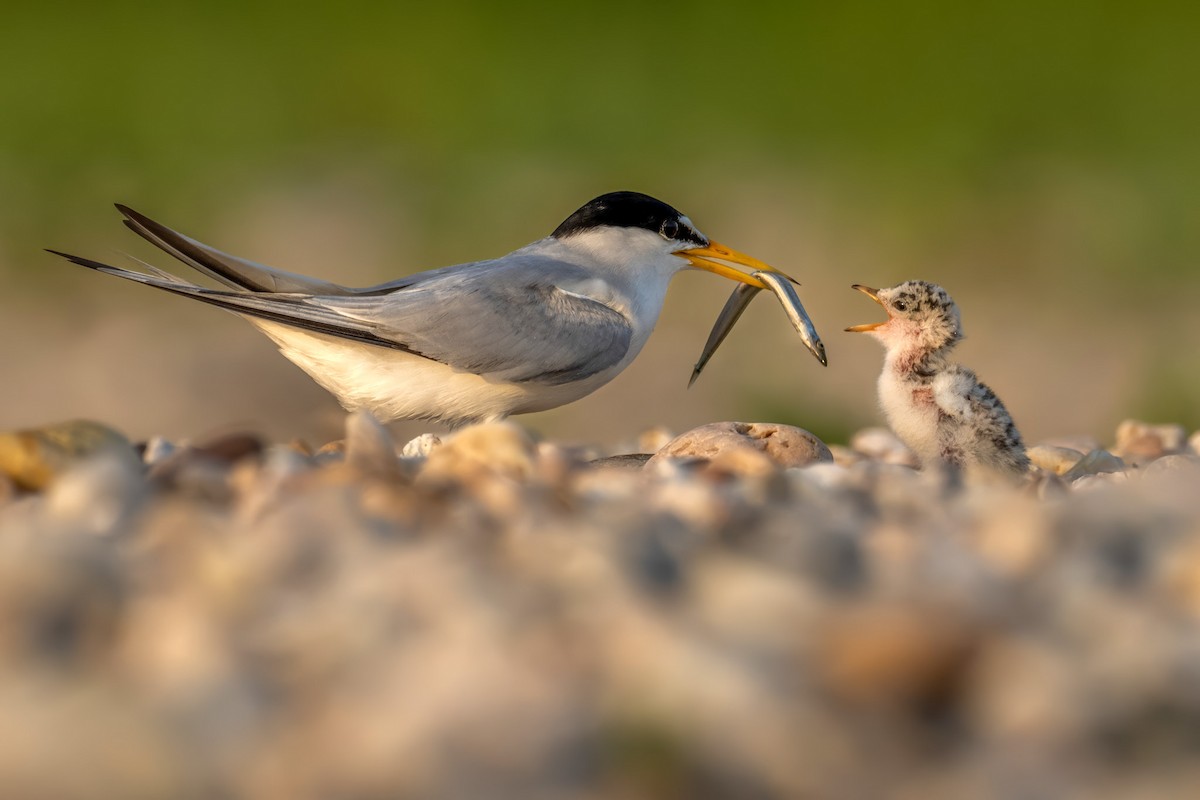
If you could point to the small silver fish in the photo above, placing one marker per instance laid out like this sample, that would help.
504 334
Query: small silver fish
737 303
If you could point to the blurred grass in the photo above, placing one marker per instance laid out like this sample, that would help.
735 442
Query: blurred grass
1052 144
165 97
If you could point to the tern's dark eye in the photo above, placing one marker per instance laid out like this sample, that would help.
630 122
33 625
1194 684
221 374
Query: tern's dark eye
669 229
900 305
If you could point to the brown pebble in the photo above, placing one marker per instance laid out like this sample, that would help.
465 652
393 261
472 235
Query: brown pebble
786 445
231 447
212 457
742 461
1058 460
1141 442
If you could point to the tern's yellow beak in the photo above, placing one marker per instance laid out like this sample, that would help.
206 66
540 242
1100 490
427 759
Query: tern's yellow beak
874 295
699 257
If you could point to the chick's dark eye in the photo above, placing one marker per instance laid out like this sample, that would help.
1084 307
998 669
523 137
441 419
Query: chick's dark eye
900 305
669 229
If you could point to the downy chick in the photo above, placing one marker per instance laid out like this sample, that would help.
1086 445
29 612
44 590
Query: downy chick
941 410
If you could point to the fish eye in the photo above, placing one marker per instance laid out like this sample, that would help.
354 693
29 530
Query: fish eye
669 229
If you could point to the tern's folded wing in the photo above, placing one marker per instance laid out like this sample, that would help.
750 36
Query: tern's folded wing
506 325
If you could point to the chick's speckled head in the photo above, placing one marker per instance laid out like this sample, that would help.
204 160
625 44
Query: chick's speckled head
921 315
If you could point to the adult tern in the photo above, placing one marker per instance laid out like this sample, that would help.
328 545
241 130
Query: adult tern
540 327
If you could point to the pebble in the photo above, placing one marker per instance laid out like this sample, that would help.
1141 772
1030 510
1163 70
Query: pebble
1047 486
158 449
609 483
745 462
369 447
654 439
786 445
331 452
693 502
479 451
1102 480
1176 467
420 446
33 458
1094 463
97 496
880 444
825 475
214 456
845 456
1058 460
555 465
1142 442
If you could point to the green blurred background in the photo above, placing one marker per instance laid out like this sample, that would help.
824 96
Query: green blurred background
1041 161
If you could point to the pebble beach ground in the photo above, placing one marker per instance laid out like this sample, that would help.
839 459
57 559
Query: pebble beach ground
750 613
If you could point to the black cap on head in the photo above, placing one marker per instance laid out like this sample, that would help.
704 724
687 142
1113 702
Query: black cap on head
629 210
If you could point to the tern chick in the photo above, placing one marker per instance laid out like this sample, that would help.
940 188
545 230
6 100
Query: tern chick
941 410
542 326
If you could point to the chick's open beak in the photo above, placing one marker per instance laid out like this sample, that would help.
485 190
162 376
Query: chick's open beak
700 258
870 326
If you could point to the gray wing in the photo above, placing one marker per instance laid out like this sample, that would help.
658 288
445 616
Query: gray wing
510 320
507 321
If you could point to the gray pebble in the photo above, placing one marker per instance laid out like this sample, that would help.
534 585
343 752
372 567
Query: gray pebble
1096 462
369 446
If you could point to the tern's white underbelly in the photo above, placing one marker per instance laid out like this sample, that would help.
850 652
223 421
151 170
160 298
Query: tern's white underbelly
393 384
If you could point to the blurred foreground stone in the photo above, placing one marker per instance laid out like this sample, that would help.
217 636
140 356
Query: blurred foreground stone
31 459
491 616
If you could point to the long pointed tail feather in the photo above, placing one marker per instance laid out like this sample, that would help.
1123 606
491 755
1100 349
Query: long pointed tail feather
230 270
282 307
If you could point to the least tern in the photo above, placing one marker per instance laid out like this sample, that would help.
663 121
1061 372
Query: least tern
542 326
941 410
